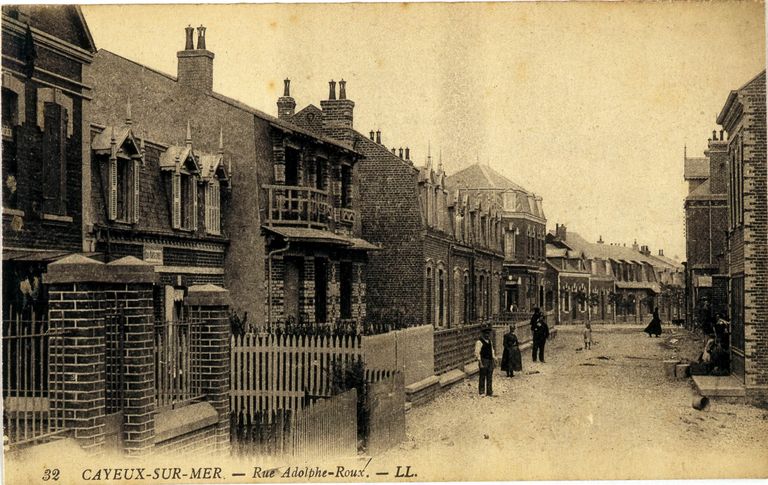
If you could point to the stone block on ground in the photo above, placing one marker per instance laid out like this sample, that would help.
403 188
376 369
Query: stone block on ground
669 367
682 370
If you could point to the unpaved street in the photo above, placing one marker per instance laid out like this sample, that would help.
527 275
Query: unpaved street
605 413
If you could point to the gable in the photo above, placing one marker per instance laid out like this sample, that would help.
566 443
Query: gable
65 22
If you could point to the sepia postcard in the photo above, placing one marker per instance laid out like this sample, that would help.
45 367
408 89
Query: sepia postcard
384 242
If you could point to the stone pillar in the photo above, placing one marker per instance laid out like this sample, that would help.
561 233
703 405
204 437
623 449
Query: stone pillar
209 310
307 292
129 295
77 354
82 293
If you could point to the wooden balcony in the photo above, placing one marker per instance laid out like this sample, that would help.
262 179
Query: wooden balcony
289 205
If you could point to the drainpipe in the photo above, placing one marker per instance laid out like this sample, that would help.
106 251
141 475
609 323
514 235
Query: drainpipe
269 281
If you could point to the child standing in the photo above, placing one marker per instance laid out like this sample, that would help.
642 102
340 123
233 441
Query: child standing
587 336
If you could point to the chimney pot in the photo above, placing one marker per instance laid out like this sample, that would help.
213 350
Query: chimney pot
394 151
721 135
407 153
332 89
287 88
401 152
201 38
371 135
378 137
189 46
342 89
714 135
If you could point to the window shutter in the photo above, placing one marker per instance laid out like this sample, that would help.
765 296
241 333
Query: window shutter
112 189
176 217
193 195
136 190
208 208
216 197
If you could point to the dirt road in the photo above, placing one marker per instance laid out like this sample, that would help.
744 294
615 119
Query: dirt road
607 413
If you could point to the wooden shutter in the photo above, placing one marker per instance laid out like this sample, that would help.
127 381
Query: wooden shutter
136 190
193 202
216 202
208 209
112 189
176 209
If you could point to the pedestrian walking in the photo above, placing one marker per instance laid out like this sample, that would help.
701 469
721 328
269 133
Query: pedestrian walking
540 335
510 359
486 358
587 336
654 328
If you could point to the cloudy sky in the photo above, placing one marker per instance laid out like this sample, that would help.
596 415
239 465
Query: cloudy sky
588 105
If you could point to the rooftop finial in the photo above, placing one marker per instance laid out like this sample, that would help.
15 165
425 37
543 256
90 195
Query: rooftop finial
221 140
188 140
440 160
429 154
128 120
685 151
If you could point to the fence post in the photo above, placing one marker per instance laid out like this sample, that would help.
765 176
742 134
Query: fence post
77 349
209 310
130 289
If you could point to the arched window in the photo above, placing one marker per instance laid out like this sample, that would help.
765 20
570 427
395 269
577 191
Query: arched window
428 296
441 297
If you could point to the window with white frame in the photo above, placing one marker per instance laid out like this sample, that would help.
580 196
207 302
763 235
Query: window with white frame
184 201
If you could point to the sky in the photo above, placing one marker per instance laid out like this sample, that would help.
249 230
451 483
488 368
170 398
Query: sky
589 105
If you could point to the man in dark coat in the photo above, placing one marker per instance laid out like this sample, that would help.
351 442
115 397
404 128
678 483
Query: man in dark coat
540 335
535 317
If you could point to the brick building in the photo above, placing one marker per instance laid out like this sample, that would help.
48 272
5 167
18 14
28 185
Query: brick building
46 53
706 220
84 362
625 283
292 215
743 118
439 257
523 229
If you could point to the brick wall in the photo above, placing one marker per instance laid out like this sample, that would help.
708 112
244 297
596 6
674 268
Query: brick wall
391 217
199 442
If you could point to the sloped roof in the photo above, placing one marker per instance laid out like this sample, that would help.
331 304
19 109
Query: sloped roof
183 153
210 163
103 141
159 76
696 168
607 251
478 176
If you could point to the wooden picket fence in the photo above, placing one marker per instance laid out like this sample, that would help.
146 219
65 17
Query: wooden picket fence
272 372
325 429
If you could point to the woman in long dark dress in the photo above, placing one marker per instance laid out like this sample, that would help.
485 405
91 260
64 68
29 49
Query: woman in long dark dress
511 360
654 328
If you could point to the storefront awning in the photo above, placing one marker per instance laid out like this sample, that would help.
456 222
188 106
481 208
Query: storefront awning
317 236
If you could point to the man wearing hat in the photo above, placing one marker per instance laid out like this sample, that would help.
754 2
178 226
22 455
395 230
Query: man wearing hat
486 359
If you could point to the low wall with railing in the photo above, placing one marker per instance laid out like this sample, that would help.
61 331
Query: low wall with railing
454 347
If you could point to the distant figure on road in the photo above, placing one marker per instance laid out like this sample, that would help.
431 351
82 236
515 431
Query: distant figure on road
654 328
540 335
486 358
510 359
587 336
535 317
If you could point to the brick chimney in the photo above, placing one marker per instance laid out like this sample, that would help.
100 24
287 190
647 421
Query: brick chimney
195 68
286 105
600 241
717 152
338 113
560 232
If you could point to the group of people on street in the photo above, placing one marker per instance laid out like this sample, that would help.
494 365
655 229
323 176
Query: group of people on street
511 360
714 358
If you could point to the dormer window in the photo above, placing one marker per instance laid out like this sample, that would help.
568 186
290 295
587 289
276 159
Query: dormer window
122 161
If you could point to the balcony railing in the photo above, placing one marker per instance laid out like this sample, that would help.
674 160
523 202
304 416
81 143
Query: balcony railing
297 206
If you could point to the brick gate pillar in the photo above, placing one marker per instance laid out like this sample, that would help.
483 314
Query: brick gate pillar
128 293
76 352
209 309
